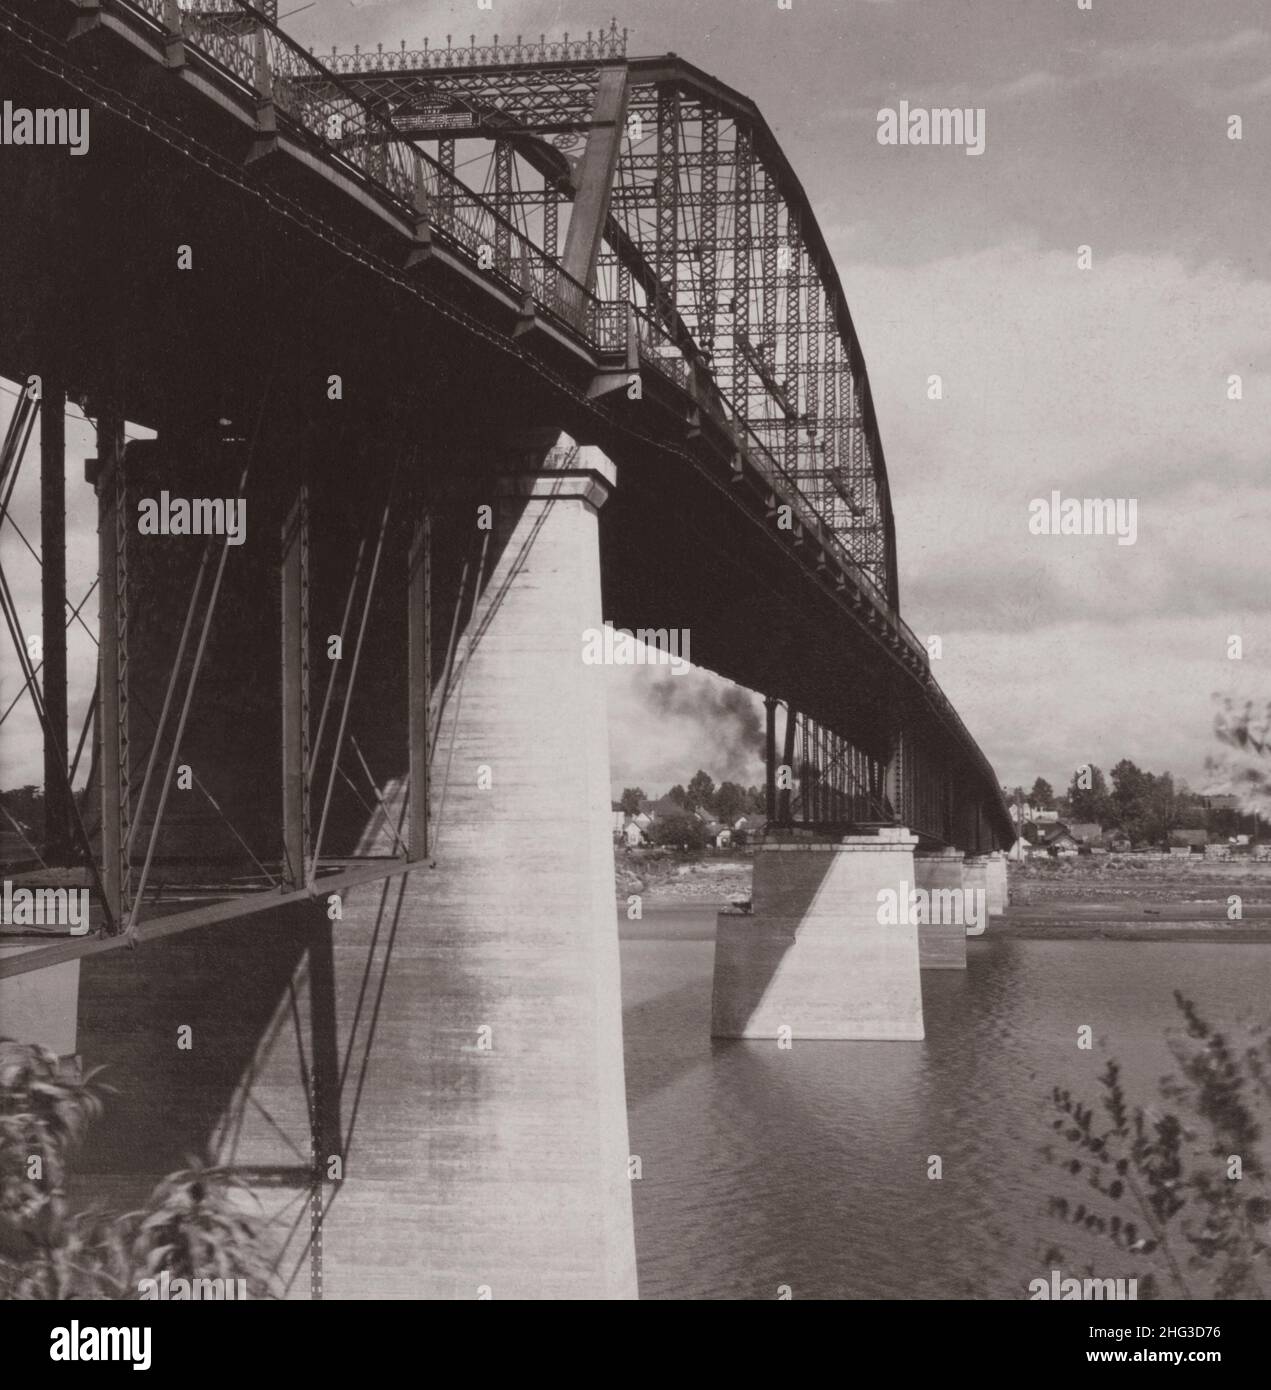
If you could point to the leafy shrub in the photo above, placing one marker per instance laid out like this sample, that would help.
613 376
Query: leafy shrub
191 1225
1167 1176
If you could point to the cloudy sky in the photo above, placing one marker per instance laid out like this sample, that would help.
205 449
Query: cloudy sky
1106 128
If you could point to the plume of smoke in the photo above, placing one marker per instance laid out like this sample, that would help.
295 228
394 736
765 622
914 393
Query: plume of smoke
1244 767
727 719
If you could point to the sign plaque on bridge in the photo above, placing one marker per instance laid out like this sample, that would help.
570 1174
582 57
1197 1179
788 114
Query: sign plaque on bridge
432 119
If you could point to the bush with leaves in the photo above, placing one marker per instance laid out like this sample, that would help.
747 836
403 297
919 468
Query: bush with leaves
191 1225
1168 1177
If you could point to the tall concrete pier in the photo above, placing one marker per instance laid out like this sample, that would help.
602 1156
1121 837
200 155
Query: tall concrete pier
498 1069
942 937
813 956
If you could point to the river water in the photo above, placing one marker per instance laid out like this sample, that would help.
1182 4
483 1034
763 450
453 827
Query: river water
808 1167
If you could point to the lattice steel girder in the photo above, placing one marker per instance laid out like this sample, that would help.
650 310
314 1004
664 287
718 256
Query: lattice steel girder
503 204
675 194
769 262
708 228
666 250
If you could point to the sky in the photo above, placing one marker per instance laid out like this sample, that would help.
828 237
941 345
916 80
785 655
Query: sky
1106 128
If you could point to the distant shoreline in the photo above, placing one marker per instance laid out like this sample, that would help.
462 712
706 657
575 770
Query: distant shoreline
1092 901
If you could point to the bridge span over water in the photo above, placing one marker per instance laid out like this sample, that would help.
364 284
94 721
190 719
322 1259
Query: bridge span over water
493 344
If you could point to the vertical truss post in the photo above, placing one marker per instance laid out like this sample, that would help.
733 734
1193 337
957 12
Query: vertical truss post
812 761
419 680
709 230
769 261
815 294
741 267
551 221
831 777
57 810
794 343
805 778
295 689
832 437
894 777
667 190
503 206
823 781
787 759
446 158
770 758
811 755
113 758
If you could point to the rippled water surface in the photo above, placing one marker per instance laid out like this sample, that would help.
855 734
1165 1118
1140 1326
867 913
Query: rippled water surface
808 1167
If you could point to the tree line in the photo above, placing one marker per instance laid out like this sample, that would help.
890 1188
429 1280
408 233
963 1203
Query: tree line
1146 806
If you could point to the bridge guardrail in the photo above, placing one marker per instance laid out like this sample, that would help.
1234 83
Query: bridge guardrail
608 43
271 66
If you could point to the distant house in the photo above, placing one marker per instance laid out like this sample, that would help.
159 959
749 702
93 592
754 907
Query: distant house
661 808
718 834
1058 841
1188 839
1025 813
1085 832
633 833
1116 840
1224 801
746 828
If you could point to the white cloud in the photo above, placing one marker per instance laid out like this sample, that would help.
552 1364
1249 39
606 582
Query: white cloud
1105 383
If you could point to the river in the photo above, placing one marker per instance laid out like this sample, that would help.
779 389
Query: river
808 1167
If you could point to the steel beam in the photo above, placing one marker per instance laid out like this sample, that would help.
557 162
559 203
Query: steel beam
57 811
295 688
419 682
228 910
113 756
770 758
595 177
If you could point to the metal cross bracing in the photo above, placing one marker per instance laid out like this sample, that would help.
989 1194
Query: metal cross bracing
820 780
705 239
132 812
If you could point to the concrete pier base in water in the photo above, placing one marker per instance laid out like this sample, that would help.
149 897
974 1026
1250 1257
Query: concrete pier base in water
942 943
998 893
975 877
813 956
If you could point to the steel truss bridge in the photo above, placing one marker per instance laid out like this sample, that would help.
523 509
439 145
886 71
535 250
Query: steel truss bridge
619 244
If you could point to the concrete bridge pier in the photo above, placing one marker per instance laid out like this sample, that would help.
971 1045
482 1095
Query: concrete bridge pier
490 1154
942 943
975 878
998 889
814 955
